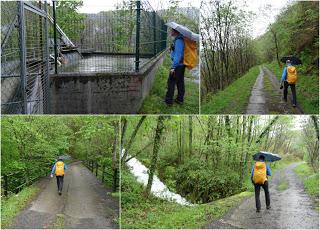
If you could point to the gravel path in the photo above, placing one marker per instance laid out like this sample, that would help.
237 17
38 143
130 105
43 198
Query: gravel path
291 208
84 203
257 100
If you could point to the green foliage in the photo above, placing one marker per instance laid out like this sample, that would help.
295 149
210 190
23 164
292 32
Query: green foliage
153 103
306 87
200 183
310 179
234 98
297 33
139 212
11 206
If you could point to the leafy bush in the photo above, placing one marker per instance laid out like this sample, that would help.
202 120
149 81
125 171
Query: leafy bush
202 184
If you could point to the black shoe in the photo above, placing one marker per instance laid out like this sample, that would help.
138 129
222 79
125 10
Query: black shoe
285 100
60 193
294 105
178 101
167 103
258 210
268 207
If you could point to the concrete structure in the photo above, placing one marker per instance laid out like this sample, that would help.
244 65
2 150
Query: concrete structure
102 93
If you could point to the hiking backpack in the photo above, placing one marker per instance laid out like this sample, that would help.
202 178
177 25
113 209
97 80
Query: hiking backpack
59 168
291 75
260 173
190 56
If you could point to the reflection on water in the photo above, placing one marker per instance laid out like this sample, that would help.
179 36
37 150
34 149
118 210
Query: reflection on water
101 63
158 188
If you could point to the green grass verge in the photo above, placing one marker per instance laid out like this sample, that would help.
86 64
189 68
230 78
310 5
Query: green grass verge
283 184
59 222
307 89
310 178
142 213
153 103
234 98
10 207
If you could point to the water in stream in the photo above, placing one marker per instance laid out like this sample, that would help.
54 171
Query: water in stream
158 188
103 63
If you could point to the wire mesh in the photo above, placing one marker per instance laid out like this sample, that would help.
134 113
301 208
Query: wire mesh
107 41
122 39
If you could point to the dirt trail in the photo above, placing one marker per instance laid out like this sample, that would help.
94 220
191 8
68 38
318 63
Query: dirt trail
257 101
266 99
84 203
291 208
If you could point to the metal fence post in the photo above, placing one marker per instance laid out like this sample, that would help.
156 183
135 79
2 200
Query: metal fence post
55 37
154 33
138 21
23 68
115 176
46 78
5 177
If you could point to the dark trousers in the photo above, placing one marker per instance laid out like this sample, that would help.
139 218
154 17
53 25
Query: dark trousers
257 194
176 79
60 183
293 91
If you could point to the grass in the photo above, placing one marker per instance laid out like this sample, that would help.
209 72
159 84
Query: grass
59 222
307 89
153 103
11 206
139 212
283 184
310 179
234 98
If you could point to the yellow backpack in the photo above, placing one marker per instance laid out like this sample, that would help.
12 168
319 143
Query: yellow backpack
59 168
292 75
190 59
260 173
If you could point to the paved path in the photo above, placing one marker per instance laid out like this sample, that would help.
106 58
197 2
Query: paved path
257 100
84 203
291 208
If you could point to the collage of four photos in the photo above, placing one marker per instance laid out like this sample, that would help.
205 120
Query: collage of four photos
159 114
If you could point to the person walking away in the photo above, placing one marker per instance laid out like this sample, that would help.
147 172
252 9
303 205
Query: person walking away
259 177
59 170
289 78
176 76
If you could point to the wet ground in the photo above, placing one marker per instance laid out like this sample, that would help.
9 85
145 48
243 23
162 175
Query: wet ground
103 63
291 208
266 99
84 203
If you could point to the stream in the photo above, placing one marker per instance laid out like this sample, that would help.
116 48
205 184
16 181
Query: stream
158 188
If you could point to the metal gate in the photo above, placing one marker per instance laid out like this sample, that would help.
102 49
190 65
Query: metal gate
25 58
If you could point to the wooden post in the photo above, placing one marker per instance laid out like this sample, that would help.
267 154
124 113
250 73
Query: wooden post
5 185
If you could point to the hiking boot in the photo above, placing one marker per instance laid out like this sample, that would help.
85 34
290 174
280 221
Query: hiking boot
178 102
60 193
167 103
268 207
294 105
258 210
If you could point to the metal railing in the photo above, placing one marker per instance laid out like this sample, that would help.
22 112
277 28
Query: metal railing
107 175
14 182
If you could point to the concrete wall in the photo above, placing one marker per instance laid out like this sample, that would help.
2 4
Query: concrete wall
102 93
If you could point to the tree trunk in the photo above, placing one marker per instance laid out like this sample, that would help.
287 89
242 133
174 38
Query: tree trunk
154 159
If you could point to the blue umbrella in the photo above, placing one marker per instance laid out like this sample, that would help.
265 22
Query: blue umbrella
270 157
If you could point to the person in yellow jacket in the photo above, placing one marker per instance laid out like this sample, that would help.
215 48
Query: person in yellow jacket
289 78
59 169
259 177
